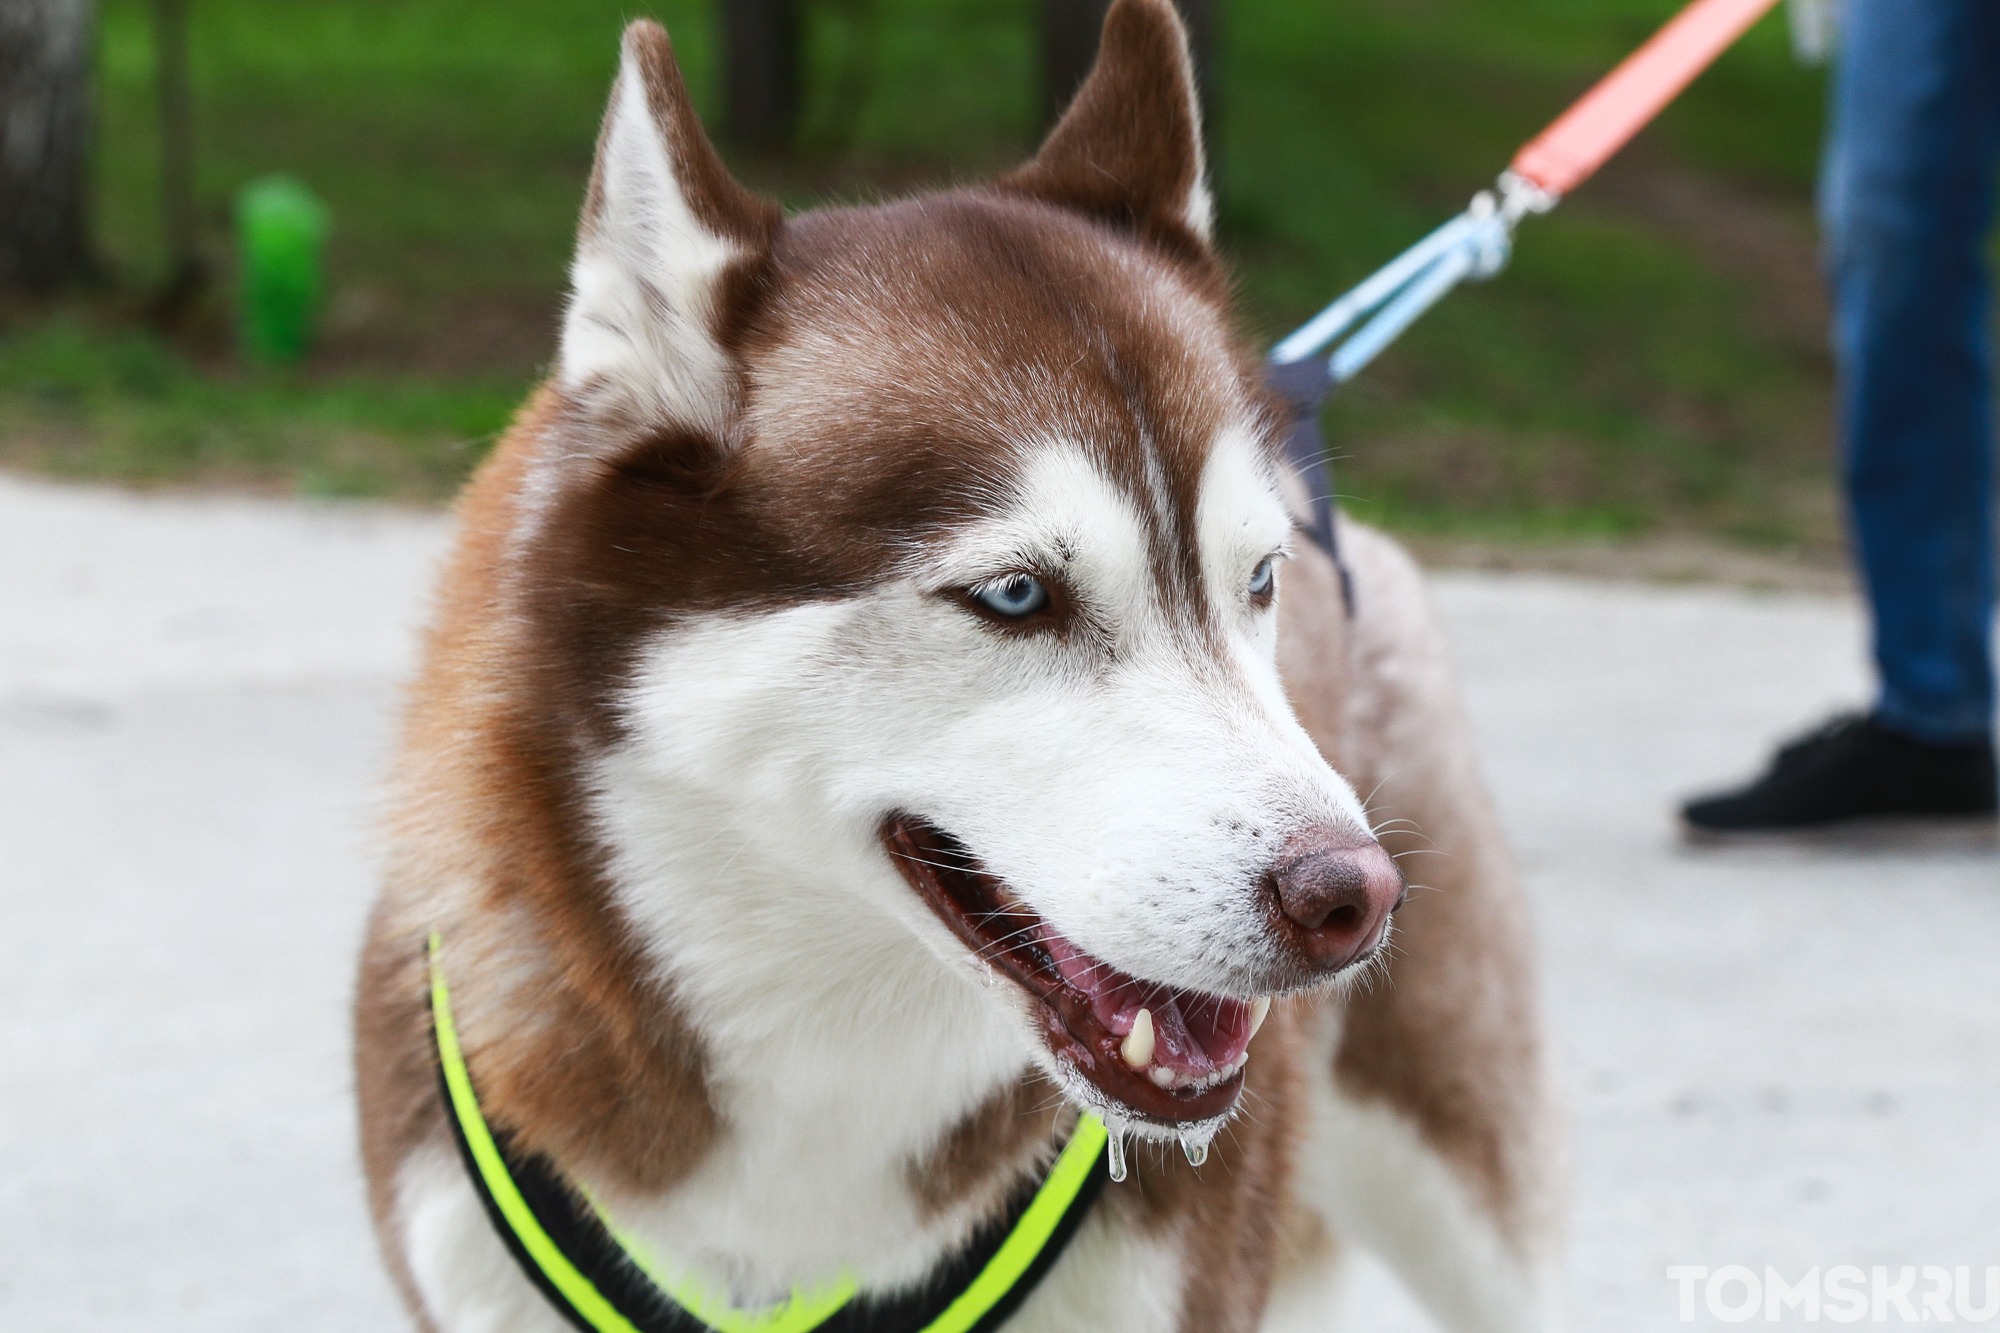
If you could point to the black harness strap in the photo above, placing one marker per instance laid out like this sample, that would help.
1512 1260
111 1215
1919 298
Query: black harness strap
573 1226
575 1229
1304 385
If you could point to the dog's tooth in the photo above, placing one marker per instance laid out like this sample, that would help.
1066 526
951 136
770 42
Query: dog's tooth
1137 1048
1259 1011
1162 1076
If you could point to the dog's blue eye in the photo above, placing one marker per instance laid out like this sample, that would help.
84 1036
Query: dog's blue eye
1264 577
1015 596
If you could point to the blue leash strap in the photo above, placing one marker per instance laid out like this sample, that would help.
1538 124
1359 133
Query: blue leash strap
1362 323
1476 244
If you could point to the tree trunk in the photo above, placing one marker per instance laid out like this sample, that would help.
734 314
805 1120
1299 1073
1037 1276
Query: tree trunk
186 274
760 72
45 105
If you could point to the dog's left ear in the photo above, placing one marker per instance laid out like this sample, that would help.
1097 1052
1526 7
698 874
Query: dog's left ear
1128 150
670 244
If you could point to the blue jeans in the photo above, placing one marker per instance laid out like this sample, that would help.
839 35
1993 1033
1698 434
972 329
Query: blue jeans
1907 199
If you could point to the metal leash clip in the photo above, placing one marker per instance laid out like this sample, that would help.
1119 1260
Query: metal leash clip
1474 246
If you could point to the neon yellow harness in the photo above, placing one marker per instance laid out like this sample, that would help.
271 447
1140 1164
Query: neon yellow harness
599 1280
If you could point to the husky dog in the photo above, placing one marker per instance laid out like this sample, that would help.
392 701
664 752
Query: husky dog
882 715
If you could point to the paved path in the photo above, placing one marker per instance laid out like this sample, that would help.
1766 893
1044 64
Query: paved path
1774 1057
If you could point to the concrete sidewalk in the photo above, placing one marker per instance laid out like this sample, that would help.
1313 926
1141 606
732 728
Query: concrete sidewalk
1776 1057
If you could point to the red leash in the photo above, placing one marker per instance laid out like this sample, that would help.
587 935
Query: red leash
1476 243
1604 119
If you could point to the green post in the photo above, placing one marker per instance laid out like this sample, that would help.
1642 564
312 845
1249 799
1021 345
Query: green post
281 239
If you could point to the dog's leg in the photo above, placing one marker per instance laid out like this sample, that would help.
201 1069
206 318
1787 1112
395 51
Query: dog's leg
1376 1178
1434 1139
463 1277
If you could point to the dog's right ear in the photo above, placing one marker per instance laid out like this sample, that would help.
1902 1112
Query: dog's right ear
1128 151
668 242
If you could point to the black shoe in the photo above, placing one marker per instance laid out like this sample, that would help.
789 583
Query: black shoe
1853 768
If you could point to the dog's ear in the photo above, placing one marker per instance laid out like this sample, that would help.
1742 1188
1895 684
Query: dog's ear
670 245
1128 150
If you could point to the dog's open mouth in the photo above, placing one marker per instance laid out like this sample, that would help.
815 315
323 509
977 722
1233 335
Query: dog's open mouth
1163 1054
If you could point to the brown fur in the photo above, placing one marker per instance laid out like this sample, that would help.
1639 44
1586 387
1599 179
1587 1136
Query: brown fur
1453 1039
1016 1127
490 852
862 425
1117 154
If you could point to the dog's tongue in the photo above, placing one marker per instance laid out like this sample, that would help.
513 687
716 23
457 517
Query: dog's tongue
1193 1033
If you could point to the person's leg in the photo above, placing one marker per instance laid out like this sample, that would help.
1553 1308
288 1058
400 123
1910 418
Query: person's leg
1908 199
1908 194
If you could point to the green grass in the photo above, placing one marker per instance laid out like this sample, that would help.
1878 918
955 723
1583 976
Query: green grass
1651 361
94 405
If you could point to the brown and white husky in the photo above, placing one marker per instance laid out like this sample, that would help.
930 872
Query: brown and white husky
882 707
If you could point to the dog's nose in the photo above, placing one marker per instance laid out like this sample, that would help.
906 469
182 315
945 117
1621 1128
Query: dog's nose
1338 892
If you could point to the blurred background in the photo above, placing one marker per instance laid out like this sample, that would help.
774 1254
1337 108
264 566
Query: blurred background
1650 372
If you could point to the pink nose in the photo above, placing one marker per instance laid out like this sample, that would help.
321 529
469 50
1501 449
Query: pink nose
1338 892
